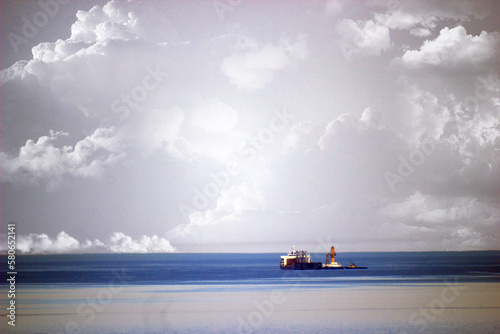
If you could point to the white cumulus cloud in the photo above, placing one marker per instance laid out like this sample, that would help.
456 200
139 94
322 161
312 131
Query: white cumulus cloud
454 49
368 38
420 32
43 160
42 243
64 243
254 65
121 243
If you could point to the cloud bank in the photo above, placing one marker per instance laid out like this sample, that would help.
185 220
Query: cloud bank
64 243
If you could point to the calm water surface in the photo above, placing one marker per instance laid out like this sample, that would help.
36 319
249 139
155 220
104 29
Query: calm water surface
256 269
154 283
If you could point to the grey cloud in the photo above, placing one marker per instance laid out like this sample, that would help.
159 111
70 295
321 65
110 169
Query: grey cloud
159 98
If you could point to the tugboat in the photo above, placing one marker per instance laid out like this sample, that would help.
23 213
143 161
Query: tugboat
298 260
353 266
301 260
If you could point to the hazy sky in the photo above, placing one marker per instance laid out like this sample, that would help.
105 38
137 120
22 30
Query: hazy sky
251 126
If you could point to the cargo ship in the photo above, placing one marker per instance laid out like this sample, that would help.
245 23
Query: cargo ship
298 260
301 260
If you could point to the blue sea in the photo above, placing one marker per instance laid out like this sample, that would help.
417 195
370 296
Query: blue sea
399 293
257 269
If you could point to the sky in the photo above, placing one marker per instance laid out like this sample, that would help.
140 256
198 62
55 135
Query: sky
250 126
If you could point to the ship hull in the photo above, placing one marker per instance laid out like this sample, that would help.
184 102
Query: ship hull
315 266
303 266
